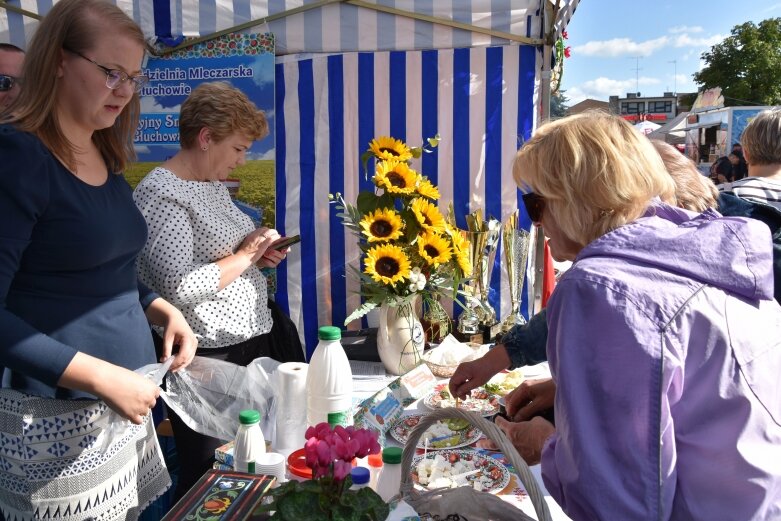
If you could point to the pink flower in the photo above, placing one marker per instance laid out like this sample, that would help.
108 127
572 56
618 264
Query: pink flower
310 448
564 34
567 52
342 469
324 457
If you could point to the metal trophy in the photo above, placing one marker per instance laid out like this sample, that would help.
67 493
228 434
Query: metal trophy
515 243
476 321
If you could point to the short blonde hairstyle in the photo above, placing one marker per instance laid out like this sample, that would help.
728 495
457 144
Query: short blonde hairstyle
762 138
74 25
595 172
224 110
693 191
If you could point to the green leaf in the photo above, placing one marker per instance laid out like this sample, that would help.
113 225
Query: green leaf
360 311
365 161
367 202
303 506
434 141
416 152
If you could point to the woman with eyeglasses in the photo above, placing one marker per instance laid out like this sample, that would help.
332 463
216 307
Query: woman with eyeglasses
666 397
74 324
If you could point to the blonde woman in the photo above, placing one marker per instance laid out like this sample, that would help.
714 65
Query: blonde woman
666 398
74 320
205 255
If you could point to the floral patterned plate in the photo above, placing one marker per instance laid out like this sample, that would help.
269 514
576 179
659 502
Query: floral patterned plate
460 437
491 475
481 401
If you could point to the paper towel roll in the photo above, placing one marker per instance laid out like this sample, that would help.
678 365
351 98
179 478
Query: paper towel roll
291 407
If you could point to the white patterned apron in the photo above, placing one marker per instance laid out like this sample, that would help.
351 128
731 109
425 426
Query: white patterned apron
51 467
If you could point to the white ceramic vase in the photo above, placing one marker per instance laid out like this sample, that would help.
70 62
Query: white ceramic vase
400 337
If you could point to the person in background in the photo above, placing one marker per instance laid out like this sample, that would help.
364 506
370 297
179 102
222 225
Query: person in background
526 344
739 166
661 381
206 256
762 149
11 60
721 171
74 320
759 195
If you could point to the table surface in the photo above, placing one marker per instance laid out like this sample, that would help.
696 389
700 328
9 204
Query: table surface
515 492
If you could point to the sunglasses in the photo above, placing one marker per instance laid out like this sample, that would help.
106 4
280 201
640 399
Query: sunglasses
7 82
535 205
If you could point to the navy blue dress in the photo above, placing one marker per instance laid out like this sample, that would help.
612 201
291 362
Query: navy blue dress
67 270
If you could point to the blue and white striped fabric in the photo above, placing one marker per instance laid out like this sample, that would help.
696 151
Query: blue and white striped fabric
337 27
480 100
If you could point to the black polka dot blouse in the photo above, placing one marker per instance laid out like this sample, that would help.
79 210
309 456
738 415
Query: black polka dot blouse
193 224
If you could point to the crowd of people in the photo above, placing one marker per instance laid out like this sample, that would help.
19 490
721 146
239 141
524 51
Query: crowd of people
663 401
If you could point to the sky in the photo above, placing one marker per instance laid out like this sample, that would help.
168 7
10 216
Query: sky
668 36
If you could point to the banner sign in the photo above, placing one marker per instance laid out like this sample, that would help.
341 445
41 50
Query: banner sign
244 60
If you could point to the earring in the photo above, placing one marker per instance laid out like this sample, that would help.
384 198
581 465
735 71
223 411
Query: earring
204 148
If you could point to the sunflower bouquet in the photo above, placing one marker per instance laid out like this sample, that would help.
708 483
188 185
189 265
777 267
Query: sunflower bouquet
409 249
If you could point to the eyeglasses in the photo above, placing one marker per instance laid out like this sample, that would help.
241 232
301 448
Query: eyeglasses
116 77
7 82
535 205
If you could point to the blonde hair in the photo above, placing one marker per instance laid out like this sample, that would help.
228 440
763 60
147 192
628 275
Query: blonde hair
693 191
73 24
595 172
762 138
224 110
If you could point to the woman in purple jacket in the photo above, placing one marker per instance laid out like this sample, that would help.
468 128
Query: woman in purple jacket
664 338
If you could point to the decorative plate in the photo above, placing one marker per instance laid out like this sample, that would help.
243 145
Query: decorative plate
481 401
492 477
460 438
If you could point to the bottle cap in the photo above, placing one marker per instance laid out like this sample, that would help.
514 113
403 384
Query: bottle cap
360 475
329 333
375 460
250 467
391 455
249 416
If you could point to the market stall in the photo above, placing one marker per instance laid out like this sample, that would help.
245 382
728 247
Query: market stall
477 73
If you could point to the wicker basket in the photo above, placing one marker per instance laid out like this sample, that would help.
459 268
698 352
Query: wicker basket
465 501
443 371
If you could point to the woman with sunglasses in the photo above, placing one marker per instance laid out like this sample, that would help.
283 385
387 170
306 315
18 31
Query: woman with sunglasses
666 398
74 324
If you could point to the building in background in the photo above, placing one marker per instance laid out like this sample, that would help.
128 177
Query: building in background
636 108
588 104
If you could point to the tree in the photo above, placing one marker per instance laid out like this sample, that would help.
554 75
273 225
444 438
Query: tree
558 104
746 64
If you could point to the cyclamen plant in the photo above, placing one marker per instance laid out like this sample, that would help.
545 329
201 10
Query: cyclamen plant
329 453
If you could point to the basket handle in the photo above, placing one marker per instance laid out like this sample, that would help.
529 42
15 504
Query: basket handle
494 434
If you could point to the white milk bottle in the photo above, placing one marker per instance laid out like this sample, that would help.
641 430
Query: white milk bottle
329 380
250 442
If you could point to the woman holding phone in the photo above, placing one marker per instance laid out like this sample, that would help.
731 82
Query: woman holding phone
205 255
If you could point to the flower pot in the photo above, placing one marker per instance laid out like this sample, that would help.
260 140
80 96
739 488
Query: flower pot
400 337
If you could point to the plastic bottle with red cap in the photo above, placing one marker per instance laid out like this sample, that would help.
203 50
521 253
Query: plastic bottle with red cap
374 461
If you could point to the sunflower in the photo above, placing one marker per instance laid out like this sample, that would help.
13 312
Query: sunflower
388 148
434 249
382 225
396 177
460 250
426 189
387 264
428 215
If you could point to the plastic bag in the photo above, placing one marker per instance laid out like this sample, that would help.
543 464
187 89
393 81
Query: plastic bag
209 394
115 425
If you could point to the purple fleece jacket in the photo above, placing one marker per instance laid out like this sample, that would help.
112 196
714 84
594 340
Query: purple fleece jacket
665 345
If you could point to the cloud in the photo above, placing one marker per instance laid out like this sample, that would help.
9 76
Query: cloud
685 29
602 88
773 7
620 47
684 40
267 155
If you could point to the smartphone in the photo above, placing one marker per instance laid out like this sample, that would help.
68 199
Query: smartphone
284 242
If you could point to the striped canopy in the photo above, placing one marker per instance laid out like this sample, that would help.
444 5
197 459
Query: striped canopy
346 73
